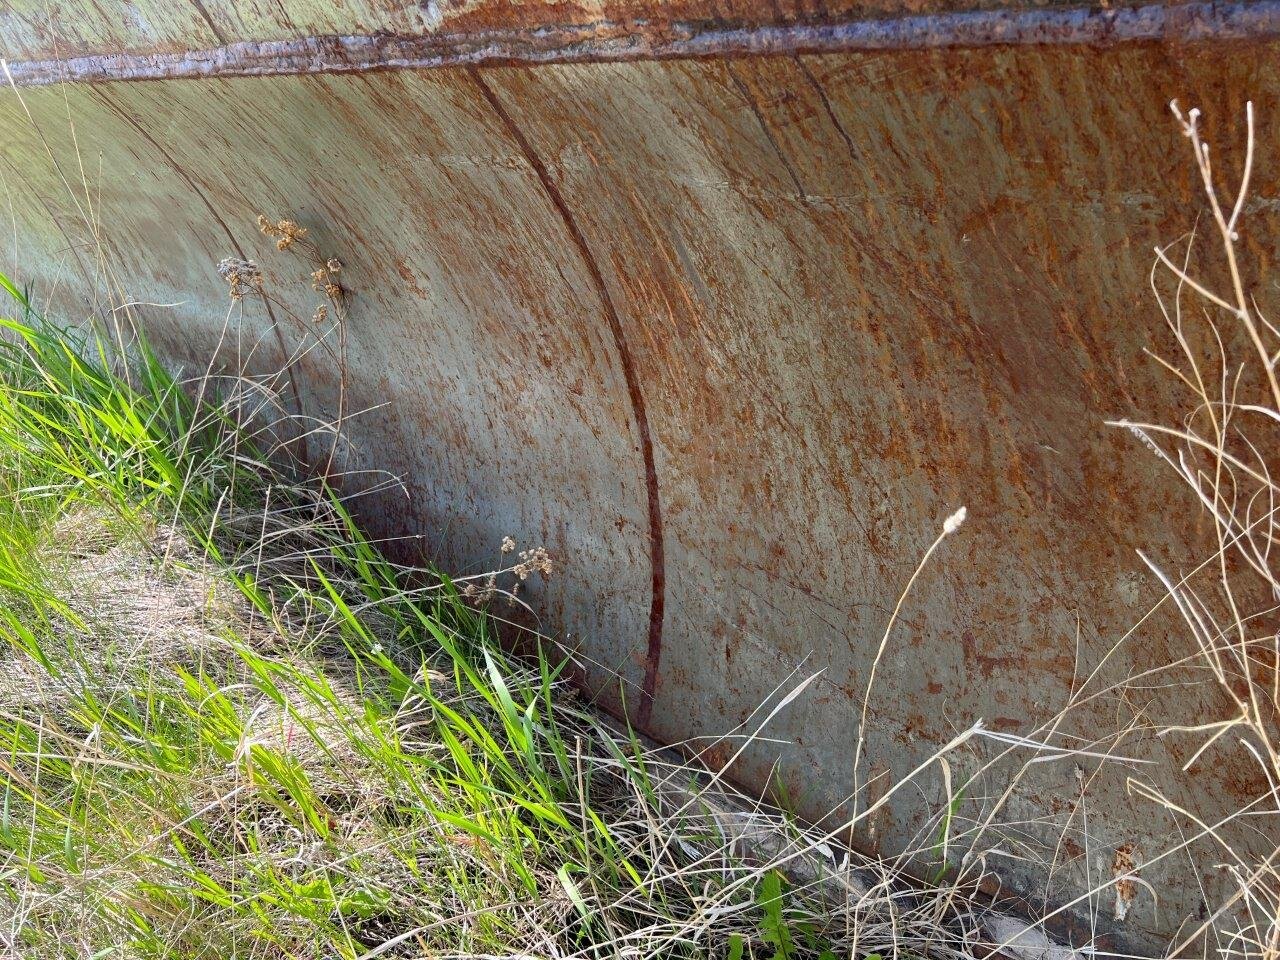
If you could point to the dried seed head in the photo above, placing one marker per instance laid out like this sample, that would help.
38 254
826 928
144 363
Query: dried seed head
287 233
243 276
953 522
321 314
480 595
508 544
230 266
333 264
536 560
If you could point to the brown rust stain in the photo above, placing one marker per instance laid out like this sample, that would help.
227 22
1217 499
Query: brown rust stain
212 24
410 278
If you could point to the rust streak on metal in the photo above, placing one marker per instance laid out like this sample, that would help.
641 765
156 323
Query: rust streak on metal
827 108
653 648
604 41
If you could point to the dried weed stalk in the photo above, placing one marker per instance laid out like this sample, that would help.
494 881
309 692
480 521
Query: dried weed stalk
245 280
1223 448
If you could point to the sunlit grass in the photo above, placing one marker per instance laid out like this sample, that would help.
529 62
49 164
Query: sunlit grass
336 763
231 727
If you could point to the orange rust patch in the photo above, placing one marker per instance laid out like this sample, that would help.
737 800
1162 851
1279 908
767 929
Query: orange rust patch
407 275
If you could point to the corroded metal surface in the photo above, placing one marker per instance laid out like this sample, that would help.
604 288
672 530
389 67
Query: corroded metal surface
520 40
730 337
37 30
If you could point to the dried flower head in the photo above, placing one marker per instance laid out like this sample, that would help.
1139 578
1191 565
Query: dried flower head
321 314
480 595
333 264
243 276
290 232
286 232
231 266
508 544
536 560
953 522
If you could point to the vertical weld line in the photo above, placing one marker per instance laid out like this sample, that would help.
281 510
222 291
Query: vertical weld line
213 27
653 651
826 105
753 105
213 212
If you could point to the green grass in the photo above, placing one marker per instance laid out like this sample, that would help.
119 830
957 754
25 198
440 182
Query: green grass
230 727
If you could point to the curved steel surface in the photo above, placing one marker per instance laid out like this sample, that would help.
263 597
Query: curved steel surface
730 337
35 31
482 34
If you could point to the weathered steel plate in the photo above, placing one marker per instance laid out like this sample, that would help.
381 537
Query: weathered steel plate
33 30
730 337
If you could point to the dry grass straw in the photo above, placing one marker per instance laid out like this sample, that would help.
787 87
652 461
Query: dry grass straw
1222 448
